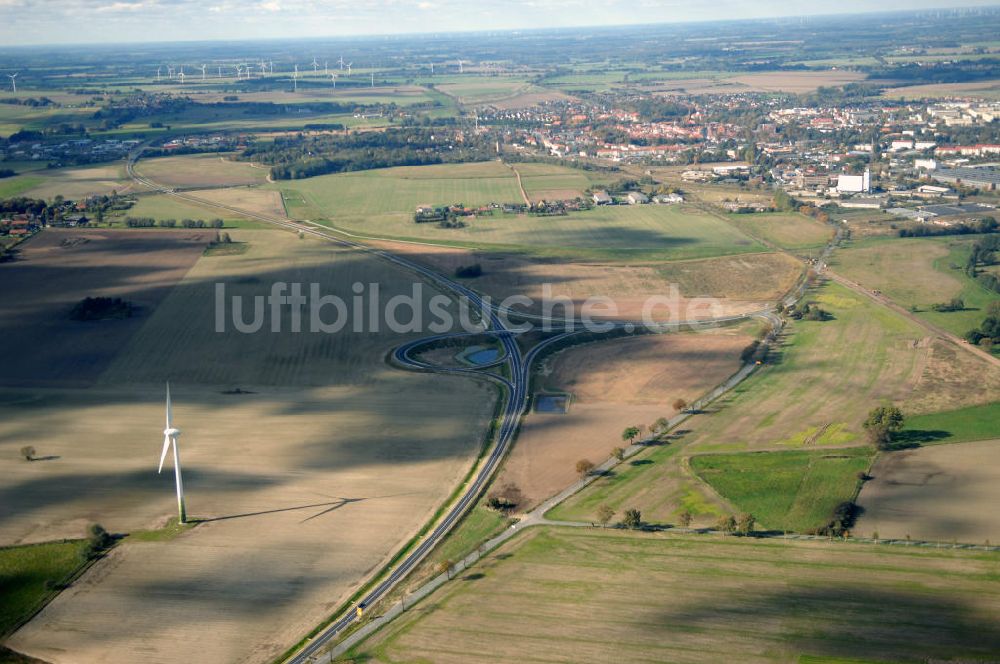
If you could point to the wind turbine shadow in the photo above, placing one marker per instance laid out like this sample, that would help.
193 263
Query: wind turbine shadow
330 506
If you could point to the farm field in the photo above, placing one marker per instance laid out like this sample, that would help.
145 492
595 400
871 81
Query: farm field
954 426
26 571
973 89
685 598
813 393
551 182
795 232
794 82
163 206
292 455
614 384
201 171
79 182
735 285
794 490
484 91
918 272
249 199
57 269
938 493
381 203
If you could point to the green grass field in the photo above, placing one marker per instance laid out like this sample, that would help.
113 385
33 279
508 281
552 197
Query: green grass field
954 426
792 231
381 203
919 272
25 572
583 594
18 184
794 490
161 206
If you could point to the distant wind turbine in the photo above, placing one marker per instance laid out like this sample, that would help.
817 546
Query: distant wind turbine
13 81
315 65
295 79
203 67
333 77
170 435
158 70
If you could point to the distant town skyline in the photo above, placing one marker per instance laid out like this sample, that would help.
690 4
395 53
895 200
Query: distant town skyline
33 22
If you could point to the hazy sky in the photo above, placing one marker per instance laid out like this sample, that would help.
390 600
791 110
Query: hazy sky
62 21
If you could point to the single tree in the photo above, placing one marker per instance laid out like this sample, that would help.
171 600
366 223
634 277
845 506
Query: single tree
618 453
680 405
604 514
630 434
584 467
632 518
882 423
28 452
745 523
684 518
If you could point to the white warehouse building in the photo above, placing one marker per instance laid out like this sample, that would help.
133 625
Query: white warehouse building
855 184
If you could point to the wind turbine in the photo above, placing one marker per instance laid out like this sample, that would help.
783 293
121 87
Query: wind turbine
220 71
13 82
170 435
326 67
349 68
373 79
315 65
333 77
158 69
181 76
432 69
295 79
460 70
342 62
203 67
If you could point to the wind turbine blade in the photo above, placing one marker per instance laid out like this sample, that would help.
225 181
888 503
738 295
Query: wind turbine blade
169 413
163 456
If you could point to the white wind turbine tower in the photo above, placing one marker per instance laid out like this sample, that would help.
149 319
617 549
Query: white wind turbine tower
349 68
181 76
315 65
326 67
333 77
13 80
203 67
373 79
158 70
170 435
220 71
295 79
263 68
341 63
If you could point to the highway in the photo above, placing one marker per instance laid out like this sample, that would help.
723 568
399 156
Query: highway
514 389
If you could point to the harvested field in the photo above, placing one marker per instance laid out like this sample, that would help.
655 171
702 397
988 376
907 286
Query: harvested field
797 82
615 384
685 598
80 182
201 170
58 268
485 91
533 97
938 493
290 475
257 201
742 284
